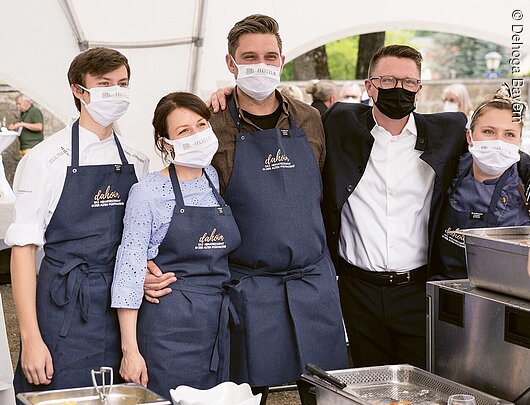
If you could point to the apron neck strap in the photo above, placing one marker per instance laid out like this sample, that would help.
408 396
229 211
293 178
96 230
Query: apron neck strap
233 112
175 183
178 192
75 146
120 150
220 201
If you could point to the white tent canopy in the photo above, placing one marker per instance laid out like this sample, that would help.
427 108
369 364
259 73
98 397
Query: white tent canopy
180 45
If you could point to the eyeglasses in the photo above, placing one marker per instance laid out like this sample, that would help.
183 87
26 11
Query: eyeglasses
390 82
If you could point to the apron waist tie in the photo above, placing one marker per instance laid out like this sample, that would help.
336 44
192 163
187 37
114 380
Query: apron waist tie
70 285
227 311
287 278
298 273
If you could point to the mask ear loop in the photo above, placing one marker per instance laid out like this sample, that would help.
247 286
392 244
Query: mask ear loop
167 146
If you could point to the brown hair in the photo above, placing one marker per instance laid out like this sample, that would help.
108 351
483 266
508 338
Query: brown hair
253 24
397 51
501 100
95 61
322 90
165 106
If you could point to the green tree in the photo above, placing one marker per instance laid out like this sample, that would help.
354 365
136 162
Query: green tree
454 56
446 55
342 58
368 46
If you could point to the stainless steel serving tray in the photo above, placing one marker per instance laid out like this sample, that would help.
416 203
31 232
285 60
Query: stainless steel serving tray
498 259
121 394
391 385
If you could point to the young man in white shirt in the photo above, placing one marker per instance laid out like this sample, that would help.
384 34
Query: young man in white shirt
71 191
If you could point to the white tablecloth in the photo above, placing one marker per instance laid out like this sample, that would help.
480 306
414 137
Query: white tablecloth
7 204
6 139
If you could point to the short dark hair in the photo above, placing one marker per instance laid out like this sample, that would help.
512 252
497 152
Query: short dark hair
95 61
165 106
397 51
253 24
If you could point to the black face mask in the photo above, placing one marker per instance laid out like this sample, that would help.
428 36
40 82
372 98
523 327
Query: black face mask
395 103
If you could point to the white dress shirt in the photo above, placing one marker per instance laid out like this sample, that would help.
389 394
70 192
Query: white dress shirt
40 177
384 222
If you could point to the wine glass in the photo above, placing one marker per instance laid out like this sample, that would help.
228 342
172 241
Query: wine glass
461 399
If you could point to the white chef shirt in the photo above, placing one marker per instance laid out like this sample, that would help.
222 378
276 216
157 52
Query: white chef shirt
40 177
384 222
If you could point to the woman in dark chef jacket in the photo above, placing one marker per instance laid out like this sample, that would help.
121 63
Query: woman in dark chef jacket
177 218
485 192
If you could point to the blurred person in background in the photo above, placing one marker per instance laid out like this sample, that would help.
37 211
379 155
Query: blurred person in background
351 93
365 98
30 124
456 98
324 94
485 192
293 91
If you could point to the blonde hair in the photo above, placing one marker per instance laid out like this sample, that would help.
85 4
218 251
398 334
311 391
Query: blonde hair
501 100
293 92
322 90
460 91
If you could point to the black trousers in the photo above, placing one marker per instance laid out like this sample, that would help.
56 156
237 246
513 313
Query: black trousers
385 324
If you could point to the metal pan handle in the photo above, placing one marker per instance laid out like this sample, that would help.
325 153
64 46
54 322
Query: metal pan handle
105 389
315 370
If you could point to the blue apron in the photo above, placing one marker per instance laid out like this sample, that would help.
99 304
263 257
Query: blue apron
285 290
73 289
185 338
452 252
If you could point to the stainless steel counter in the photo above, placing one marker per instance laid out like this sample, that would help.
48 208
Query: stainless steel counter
479 338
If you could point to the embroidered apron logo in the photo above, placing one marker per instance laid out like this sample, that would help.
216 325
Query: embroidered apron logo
211 241
278 161
454 238
107 198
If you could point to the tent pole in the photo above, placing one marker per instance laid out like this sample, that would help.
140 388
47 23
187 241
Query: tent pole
66 5
198 39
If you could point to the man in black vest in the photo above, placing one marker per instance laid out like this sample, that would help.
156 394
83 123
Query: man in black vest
386 171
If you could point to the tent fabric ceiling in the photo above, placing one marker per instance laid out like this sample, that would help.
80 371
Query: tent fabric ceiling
180 45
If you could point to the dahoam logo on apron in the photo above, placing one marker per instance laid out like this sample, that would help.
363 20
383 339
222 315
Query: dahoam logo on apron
278 161
213 240
454 238
107 198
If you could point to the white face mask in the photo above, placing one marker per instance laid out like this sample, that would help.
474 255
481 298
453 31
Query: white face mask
257 80
107 104
351 100
195 151
494 157
450 106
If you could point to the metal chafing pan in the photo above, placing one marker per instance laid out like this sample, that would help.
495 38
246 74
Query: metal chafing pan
498 259
394 384
120 394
